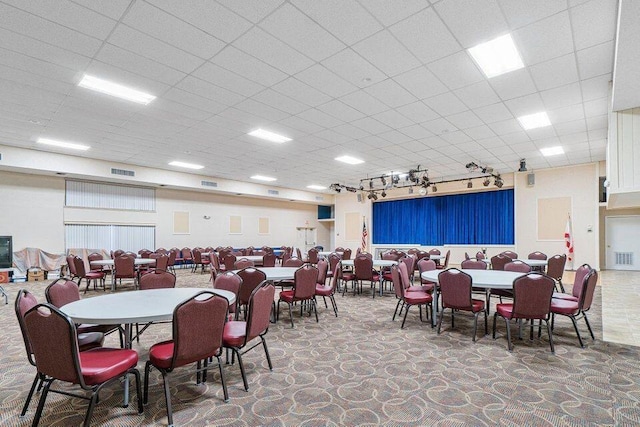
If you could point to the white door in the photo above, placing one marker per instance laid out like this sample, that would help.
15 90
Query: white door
622 240
306 239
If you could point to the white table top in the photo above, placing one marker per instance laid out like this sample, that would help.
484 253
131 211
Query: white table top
494 279
435 257
376 262
327 253
535 262
135 306
137 261
277 273
254 258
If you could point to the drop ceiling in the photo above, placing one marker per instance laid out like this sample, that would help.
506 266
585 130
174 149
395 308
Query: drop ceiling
389 82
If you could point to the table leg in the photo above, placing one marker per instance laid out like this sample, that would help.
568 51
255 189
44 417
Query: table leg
434 306
127 344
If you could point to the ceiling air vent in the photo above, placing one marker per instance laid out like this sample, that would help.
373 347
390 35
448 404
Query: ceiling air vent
124 172
274 192
209 183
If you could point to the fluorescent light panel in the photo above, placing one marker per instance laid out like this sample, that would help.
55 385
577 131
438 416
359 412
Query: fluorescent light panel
316 187
269 136
534 121
263 178
114 89
185 165
552 151
349 160
62 144
497 56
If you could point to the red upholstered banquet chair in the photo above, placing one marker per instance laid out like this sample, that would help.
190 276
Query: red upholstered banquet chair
578 279
95 256
155 279
455 289
425 285
71 266
243 263
229 262
446 262
517 266
118 252
312 256
81 273
472 264
555 269
198 324
435 251
199 260
407 299
240 336
324 291
54 342
229 281
363 271
304 291
480 255
171 264
537 255
251 278
575 310
125 268
531 301
186 255
269 259
162 261
499 261
346 254
509 254
25 301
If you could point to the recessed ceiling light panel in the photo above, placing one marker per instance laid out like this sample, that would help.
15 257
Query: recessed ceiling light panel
269 136
62 144
115 89
497 56
316 187
552 151
263 178
349 160
185 165
534 121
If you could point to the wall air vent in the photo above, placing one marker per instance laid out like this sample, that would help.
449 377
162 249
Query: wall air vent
208 184
123 172
274 192
319 198
624 258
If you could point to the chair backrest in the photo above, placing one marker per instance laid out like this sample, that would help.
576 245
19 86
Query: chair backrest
95 256
229 261
198 324
161 251
173 254
519 266
229 281
251 278
298 253
434 251
410 262
588 288
157 279
305 279
197 256
499 261
510 254
537 255
422 255
532 296
71 265
269 259
455 288
131 254
398 287
555 266
363 267
293 262
334 260
426 265
323 267
480 255
62 291
243 263
259 310
25 301
335 278
162 260
472 264
186 253
78 263
346 254
144 253
578 280
115 254
53 339
312 256
446 259
466 256
403 269
125 266
390 256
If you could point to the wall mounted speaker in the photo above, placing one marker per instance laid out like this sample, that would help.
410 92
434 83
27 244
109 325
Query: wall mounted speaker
531 179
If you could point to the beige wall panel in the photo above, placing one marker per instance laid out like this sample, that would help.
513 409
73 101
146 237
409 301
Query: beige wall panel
552 217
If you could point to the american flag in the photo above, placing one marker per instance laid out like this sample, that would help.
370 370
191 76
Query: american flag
568 238
364 235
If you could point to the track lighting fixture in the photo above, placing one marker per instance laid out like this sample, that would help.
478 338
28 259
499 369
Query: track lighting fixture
383 180
371 184
486 182
523 165
434 188
383 194
469 184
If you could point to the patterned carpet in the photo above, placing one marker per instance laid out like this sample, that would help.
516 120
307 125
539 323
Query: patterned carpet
362 369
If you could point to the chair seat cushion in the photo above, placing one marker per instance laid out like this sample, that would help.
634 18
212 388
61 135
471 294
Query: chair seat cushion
287 295
413 298
90 340
234 332
387 277
563 306
160 354
323 290
420 288
101 364
504 310
94 275
568 297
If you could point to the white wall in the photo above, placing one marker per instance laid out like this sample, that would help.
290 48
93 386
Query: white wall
348 203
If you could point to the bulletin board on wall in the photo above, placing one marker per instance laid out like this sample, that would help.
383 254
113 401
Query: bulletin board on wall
552 217
352 226
263 225
181 223
235 224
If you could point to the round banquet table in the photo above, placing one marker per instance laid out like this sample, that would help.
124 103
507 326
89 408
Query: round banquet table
277 273
487 279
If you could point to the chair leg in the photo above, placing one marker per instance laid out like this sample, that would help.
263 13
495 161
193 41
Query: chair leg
486 327
396 311
440 320
266 352
509 345
167 398
92 404
222 380
333 303
242 372
290 314
588 325
475 325
406 311
575 326
315 309
147 368
325 302
43 398
30 395
495 315
550 336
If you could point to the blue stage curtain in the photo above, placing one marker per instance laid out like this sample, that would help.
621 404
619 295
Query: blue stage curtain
473 219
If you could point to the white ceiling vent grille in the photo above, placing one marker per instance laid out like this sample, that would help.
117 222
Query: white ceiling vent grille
122 172
274 192
208 184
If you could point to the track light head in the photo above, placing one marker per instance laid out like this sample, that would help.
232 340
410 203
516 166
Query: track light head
383 180
523 165
434 188
383 194
469 184
486 182
371 184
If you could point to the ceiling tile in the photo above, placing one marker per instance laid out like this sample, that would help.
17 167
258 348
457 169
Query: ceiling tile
205 89
587 20
464 120
418 112
566 114
341 111
439 126
247 66
389 11
596 87
445 104
228 80
472 21
545 39
325 81
525 105
562 96
480 132
386 53
280 101
596 60
416 132
505 127
253 10
596 107
363 102
514 84
390 93
393 119
556 72
426 36
477 95
370 125
567 128
493 113
320 118
456 71
421 83
524 12
353 68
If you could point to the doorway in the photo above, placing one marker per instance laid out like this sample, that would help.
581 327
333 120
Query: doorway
622 242
306 238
